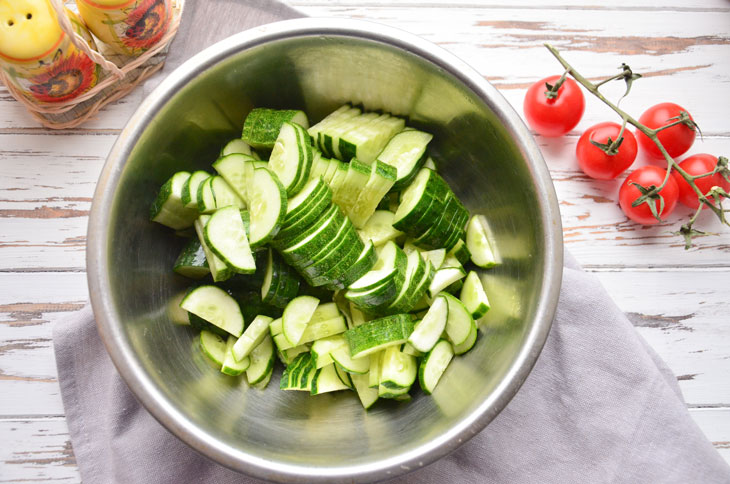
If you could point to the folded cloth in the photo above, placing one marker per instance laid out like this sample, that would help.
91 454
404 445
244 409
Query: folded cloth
599 406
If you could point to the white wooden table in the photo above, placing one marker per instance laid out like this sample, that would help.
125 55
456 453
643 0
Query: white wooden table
677 300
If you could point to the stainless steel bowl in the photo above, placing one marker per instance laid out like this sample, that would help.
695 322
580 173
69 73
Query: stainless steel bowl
483 150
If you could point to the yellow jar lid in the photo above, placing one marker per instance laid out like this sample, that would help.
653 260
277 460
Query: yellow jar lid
28 29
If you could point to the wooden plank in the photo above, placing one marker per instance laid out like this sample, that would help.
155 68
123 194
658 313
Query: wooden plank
41 449
680 313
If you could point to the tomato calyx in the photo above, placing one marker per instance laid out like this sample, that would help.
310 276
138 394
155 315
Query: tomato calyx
649 195
722 168
684 119
610 147
552 89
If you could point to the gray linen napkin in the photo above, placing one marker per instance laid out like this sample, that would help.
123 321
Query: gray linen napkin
599 406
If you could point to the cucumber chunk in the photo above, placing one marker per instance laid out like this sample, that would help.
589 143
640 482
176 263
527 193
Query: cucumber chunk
322 348
341 356
231 366
296 316
406 151
459 322
381 180
216 306
379 228
427 331
443 278
191 262
267 199
168 208
189 194
434 365
398 370
468 342
478 243
213 346
326 380
368 396
378 334
355 180
218 268
225 235
236 169
473 296
262 361
291 158
262 125
236 146
254 334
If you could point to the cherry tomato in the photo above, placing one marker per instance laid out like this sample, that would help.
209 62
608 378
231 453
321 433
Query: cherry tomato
698 165
595 162
557 116
647 176
676 140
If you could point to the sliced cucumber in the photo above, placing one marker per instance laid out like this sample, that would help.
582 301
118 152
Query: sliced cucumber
225 235
416 202
368 396
254 334
378 334
291 158
216 306
296 316
397 370
341 356
206 197
478 243
189 194
236 146
428 330
459 321
415 270
304 249
358 317
364 262
443 278
287 356
191 262
468 342
380 182
379 228
322 329
314 192
262 360
322 348
406 151
460 251
236 168
326 380
168 208
262 125
473 296
223 193
265 381
267 199
355 180
231 366
213 346
319 165
374 373
436 256
391 259
366 140
344 376
338 179
430 164
410 350
280 284
434 365
297 375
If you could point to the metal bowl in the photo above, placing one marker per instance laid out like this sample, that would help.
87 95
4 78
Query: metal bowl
483 150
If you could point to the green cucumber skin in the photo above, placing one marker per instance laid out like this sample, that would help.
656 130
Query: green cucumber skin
262 126
201 324
406 180
334 276
303 254
390 328
191 262
424 363
360 268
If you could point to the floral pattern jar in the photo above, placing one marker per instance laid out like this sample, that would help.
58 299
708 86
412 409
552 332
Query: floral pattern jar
38 58
128 27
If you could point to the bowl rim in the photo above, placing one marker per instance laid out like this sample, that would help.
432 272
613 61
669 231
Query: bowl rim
145 389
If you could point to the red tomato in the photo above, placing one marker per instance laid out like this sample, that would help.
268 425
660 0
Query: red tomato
595 162
697 165
676 140
557 116
647 176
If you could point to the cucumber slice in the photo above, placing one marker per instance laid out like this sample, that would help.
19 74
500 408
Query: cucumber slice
397 370
473 296
236 168
415 270
430 164
468 342
319 165
262 361
354 271
236 146
255 333
459 321
231 366
265 381
296 316
262 125
322 348
335 259
343 376
269 284
381 180
410 350
299 225
341 356
318 236
436 256
478 243
338 180
374 373
326 380
379 228
419 293
223 193
406 151
189 194
168 208
225 235
213 346
205 196
460 251
427 331
391 259
191 262
368 396
268 200
313 193
291 158
292 376
393 393
332 169
378 334
354 132
355 180
216 306
323 329
434 365
200 324
280 284
377 297
416 200
287 356
367 140
439 233
443 278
